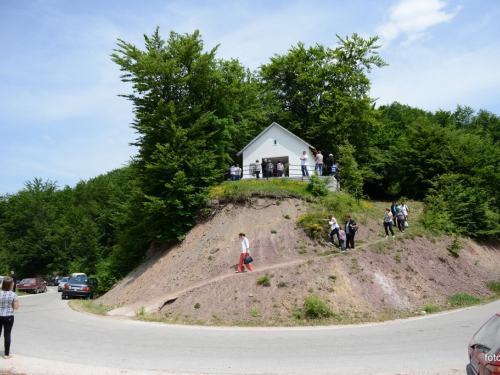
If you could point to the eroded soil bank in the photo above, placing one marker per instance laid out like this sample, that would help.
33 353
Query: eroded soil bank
194 282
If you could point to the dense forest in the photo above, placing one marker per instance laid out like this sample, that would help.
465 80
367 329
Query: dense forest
194 112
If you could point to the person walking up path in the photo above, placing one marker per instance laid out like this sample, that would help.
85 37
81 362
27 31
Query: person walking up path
342 241
388 223
245 248
335 229
394 210
8 303
400 218
350 231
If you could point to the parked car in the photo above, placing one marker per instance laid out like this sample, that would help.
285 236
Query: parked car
61 283
78 274
83 286
54 280
34 285
484 349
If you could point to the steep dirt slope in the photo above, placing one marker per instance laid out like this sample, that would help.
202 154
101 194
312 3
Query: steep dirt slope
381 278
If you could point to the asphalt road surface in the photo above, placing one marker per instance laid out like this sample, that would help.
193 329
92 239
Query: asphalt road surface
47 332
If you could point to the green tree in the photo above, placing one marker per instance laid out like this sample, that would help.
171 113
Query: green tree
189 108
322 93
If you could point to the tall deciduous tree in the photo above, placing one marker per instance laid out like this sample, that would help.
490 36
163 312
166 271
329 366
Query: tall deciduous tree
189 106
322 93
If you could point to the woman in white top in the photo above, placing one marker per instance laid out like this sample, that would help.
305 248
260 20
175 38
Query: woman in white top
303 164
335 227
8 303
245 248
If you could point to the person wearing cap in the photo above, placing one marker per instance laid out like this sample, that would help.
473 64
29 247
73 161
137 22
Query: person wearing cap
329 165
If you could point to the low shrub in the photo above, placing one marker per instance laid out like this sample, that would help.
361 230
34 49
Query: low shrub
264 280
463 299
314 308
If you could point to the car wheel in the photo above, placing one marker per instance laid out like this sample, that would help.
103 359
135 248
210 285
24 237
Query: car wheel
63 296
36 291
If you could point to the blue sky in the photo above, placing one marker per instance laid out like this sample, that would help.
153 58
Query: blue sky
60 114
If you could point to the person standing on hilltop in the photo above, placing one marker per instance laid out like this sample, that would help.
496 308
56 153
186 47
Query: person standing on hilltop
264 168
303 164
329 164
244 252
280 168
256 169
319 163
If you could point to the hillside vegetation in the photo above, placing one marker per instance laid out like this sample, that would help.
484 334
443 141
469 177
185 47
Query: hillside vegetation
299 279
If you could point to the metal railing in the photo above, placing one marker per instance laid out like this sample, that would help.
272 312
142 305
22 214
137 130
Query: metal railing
292 171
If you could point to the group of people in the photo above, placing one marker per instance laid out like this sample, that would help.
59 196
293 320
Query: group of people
267 168
345 234
331 168
396 215
235 172
8 303
323 167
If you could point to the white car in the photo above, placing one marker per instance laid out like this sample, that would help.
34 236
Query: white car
63 281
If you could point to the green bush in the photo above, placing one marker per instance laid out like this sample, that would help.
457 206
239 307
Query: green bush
494 287
455 247
463 299
318 187
264 280
314 308
197 305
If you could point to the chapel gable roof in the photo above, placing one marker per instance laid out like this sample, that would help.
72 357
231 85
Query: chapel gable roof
267 129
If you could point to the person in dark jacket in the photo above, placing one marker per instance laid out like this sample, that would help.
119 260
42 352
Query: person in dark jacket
264 168
329 165
394 210
350 231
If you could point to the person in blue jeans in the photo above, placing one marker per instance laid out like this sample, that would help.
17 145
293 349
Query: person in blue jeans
319 163
303 164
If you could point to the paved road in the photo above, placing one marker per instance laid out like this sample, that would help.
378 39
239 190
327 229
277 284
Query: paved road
46 328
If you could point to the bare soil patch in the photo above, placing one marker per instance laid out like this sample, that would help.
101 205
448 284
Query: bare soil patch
194 282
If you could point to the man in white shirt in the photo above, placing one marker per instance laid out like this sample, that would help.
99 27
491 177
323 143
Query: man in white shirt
405 210
232 172
245 248
303 164
237 172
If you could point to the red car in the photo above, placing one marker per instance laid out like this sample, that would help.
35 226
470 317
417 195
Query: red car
484 349
34 285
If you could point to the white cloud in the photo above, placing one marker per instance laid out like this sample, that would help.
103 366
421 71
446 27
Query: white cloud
412 18
436 79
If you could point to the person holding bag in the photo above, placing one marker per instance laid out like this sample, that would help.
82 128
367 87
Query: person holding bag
8 303
245 247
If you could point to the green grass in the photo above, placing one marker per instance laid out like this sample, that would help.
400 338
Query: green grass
429 309
91 306
494 287
242 190
463 299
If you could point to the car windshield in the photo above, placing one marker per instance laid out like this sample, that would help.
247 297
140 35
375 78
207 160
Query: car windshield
79 280
28 281
489 335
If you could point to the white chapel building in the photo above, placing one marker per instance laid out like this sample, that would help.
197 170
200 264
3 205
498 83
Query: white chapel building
276 143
